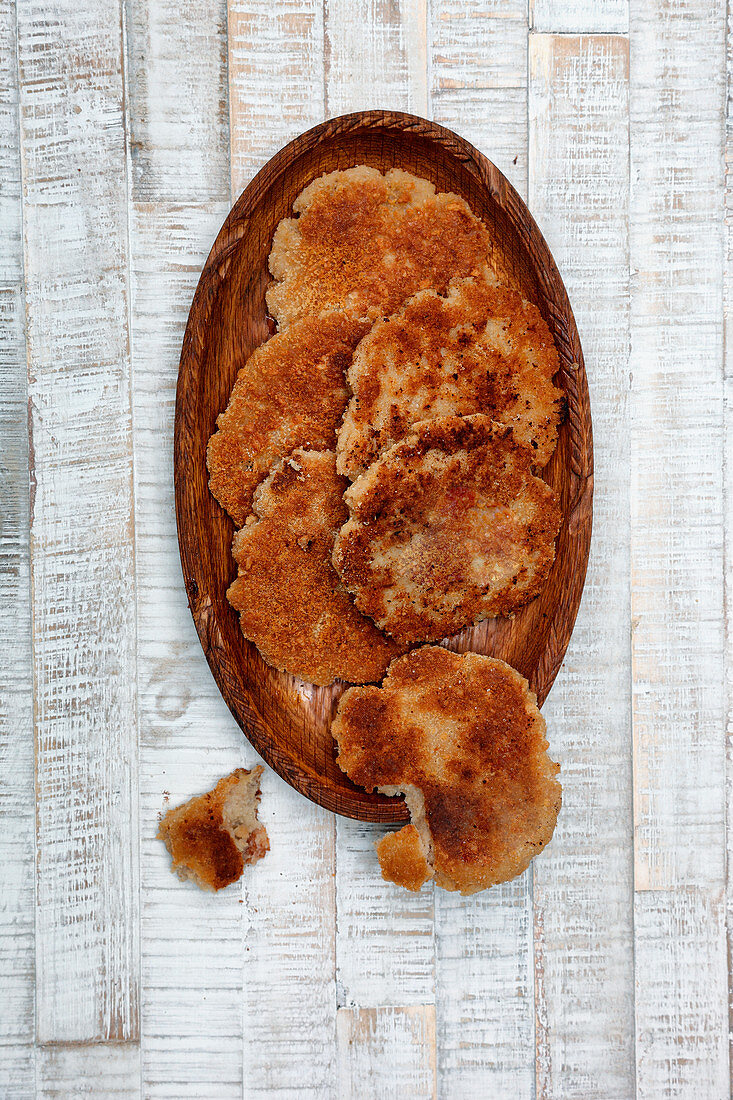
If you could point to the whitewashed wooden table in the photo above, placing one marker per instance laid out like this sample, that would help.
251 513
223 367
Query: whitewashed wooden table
126 130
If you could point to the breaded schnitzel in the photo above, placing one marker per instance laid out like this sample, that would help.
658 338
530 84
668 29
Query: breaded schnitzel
290 601
365 241
290 393
448 527
480 349
212 837
462 737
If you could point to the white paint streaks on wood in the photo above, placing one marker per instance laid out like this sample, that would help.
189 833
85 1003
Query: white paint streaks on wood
190 941
17 787
276 78
677 441
276 90
580 16
385 953
289 1016
82 558
728 511
376 56
179 115
484 990
579 192
484 993
387 1053
677 86
682 1019
478 77
95 1070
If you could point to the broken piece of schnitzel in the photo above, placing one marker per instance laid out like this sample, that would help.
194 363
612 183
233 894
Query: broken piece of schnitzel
461 736
290 393
480 349
363 242
290 600
448 527
210 838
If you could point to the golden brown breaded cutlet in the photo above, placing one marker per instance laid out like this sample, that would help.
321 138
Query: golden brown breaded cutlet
291 603
290 393
480 349
365 241
448 527
212 837
462 737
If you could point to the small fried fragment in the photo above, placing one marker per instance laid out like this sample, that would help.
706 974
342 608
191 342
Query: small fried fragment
480 349
290 393
461 736
364 242
448 527
291 603
211 837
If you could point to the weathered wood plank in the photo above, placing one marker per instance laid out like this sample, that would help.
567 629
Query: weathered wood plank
376 56
484 992
276 78
677 440
17 790
385 950
18 1071
387 1053
677 101
579 192
580 16
276 90
728 510
478 77
190 942
108 1071
681 1012
82 555
179 114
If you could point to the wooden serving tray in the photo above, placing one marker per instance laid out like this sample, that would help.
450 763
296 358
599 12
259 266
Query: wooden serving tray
288 721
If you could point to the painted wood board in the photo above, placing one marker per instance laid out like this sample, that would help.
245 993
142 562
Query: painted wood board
580 16
17 810
485 993
478 77
677 103
82 554
677 100
387 1052
191 958
178 100
681 1010
728 498
276 78
583 932
375 56
108 1070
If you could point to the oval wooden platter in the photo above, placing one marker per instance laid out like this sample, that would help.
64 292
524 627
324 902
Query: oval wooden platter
288 721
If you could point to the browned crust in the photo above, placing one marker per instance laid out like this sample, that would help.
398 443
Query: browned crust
448 527
290 393
366 241
289 597
480 349
466 731
200 844
402 858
